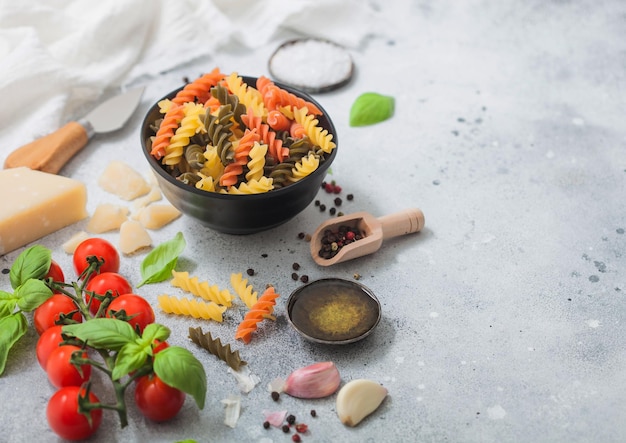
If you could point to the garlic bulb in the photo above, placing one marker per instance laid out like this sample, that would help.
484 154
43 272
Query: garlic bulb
314 381
357 399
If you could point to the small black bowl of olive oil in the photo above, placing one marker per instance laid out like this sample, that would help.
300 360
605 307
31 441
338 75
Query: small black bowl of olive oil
333 311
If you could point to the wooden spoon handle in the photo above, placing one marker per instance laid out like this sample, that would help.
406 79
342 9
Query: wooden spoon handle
401 223
52 152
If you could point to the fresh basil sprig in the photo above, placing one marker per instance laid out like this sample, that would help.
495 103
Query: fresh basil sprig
157 266
29 293
370 108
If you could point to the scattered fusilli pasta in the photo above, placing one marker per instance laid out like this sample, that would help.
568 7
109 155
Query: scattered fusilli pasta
191 307
259 311
201 289
215 347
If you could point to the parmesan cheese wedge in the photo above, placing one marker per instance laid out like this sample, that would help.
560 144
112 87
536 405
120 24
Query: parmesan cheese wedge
35 204
120 179
156 216
107 217
133 237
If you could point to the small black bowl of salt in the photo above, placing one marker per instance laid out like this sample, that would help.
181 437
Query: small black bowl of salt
311 65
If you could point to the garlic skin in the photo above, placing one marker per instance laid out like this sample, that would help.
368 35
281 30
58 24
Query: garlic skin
357 399
314 381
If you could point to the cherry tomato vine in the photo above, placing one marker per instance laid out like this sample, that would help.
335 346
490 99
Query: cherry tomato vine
100 329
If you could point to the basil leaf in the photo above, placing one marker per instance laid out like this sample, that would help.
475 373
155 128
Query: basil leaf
31 294
370 108
8 302
179 368
131 357
155 331
12 328
33 262
103 333
157 266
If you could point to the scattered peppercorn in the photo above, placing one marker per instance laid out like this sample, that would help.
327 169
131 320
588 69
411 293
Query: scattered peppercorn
294 276
275 395
301 428
313 413
295 266
266 424
338 201
6 271
350 197
285 429
296 438
250 271
291 419
304 279
339 214
264 255
307 238
322 208
332 211
317 202
301 235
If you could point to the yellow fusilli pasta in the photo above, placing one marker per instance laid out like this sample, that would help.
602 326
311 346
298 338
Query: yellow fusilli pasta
201 289
317 135
245 291
250 97
253 187
256 162
305 166
191 307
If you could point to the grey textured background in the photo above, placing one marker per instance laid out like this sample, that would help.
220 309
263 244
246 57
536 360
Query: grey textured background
503 321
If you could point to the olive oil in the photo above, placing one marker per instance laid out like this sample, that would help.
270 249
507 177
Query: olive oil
334 310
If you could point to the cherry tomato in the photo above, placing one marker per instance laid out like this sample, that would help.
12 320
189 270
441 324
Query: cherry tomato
55 272
47 314
158 346
107 281
156 400
48 342
64 418
102 249
136 307
63 373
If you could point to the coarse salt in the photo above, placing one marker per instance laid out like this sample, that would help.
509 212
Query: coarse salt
311 63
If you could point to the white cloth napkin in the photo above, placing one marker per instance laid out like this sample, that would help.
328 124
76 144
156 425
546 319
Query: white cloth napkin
57 56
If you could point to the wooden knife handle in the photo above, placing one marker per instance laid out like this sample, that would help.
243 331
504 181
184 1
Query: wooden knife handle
52 152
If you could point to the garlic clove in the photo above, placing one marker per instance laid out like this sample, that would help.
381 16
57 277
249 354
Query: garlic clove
357 399
314 381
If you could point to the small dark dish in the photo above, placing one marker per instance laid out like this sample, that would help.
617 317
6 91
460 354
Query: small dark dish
312 65
239 214
333 311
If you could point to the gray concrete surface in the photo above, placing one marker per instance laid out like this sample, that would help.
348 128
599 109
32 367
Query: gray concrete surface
503 321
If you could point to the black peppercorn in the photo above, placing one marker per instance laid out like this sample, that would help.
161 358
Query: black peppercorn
291 419
295 266
313 413
285 429
275 395
266 424
250 271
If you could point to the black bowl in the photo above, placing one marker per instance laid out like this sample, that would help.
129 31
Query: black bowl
240 214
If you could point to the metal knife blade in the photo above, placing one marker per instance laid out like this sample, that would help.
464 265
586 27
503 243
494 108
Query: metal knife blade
112 114
51 152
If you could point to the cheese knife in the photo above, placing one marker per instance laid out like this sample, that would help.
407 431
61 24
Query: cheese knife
51 152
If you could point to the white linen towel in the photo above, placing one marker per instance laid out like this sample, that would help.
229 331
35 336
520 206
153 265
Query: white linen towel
57 56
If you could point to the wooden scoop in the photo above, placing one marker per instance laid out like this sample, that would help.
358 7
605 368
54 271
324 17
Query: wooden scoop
374 231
